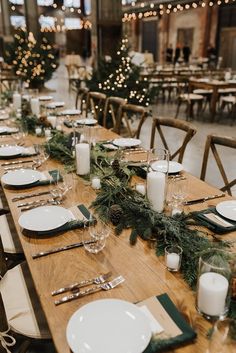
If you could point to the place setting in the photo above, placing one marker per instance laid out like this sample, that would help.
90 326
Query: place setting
221 219
27 178
6 130
103 324
56 220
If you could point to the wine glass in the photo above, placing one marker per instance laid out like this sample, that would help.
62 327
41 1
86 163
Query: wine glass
223 337
177 194
64 180
41 156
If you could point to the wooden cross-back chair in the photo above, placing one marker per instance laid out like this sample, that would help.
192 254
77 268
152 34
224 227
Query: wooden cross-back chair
157 125
211 142
127 113
96 104
111 112
81 100
21 315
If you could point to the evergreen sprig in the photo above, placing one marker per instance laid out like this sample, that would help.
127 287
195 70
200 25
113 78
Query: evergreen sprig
58 148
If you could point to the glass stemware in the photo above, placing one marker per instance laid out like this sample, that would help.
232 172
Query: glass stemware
177 194
223 337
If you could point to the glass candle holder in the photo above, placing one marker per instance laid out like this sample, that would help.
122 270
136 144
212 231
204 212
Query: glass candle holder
173 256
157 174
213 287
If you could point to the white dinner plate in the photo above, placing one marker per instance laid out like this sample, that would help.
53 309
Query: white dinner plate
88 121
126 142
70 112
108 326
227 209
10 151
21 177
45 98
161 166
8 129
54 105
44 218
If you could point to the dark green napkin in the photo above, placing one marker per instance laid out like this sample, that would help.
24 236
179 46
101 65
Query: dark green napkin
210 224
54 180
187 335
75 224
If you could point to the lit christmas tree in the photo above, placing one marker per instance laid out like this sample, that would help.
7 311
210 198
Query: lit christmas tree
34 62
121 78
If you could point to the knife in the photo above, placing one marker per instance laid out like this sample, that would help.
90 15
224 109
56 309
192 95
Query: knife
17 162
203 199
62 248
22 197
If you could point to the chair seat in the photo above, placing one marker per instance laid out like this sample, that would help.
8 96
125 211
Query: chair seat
203 91
229 99
8 232
226 90
24 315
191 96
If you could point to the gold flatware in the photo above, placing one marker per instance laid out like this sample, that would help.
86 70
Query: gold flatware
203 199
96 280
22 197
17 162
59 249
105 286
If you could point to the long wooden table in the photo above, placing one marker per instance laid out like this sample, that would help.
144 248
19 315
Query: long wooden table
145 274
213 85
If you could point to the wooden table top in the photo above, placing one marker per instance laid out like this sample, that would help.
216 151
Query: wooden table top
145 274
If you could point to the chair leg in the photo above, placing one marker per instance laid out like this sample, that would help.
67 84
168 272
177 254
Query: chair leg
178 107
199 108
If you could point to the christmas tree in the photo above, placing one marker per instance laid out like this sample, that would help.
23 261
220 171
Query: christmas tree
121 78
33 61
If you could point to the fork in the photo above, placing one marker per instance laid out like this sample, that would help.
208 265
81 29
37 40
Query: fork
105 286
45 203
96 280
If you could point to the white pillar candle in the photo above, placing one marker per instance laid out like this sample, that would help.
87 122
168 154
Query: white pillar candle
38 131
35 106
96 183
47 132
156 190
16 101
52 120
82 151
212 292
172 261
140 188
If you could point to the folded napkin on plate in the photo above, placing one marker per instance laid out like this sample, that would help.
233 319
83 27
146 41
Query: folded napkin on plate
48 177
80 216
28 152
211 219
8 131
175 331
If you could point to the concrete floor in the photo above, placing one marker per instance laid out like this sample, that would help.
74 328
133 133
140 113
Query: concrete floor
194 152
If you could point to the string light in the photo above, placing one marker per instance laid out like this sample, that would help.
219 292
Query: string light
160 9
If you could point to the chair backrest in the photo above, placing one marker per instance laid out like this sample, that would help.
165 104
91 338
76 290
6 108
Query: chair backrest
157 125
127 113
211 142
81 100
96 103
111 112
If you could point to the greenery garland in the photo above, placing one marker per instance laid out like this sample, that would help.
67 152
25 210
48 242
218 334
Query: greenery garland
119 203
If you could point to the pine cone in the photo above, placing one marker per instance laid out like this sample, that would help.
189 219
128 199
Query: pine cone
44 121
116 165
115 214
